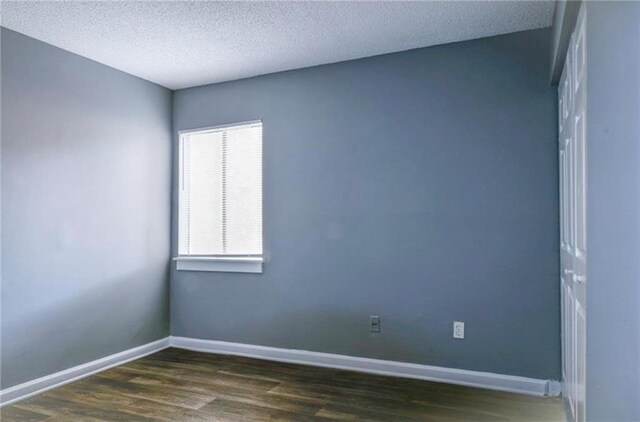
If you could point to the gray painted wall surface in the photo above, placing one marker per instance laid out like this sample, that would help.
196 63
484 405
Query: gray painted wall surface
421 186
613 211
85 209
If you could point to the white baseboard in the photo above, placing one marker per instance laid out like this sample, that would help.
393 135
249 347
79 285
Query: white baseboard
488 380
510 383
39 385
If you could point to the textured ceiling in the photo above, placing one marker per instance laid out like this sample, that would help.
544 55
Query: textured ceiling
180 44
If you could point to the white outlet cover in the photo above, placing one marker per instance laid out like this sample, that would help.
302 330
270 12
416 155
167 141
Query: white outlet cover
458 329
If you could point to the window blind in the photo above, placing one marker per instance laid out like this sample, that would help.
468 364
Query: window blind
220 196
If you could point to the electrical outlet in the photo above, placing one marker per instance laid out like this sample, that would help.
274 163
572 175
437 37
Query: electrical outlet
374 323
458 329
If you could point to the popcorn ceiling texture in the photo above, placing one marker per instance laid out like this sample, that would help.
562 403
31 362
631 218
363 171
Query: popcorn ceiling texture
181 44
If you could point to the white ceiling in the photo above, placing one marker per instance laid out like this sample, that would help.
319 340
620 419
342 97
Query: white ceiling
180 44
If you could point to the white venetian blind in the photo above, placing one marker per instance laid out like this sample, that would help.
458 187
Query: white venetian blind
220 197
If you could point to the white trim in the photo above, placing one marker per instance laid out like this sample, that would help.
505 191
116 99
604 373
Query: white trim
42 384
510 383
233 264
219 258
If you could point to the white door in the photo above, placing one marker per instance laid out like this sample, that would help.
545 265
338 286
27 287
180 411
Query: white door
572 97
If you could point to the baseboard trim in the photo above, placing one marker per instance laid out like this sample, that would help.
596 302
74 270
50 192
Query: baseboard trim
42 384
509 383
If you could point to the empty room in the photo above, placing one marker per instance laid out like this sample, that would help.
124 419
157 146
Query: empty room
320 210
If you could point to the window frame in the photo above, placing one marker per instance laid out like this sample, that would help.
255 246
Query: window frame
246 263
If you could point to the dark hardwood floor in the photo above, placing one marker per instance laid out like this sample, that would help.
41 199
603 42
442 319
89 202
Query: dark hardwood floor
179 385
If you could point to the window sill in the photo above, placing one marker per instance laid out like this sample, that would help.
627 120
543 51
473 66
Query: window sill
219 264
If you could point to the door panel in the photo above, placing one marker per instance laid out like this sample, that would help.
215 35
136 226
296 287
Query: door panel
571 183
563 190
572 98
579 106
571 352
580 191
580 361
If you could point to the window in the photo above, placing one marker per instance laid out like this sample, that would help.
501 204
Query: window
220 199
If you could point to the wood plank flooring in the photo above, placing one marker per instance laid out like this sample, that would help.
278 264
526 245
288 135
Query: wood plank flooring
180 385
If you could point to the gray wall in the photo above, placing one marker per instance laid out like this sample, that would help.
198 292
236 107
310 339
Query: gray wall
420 186
85 209
613 210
